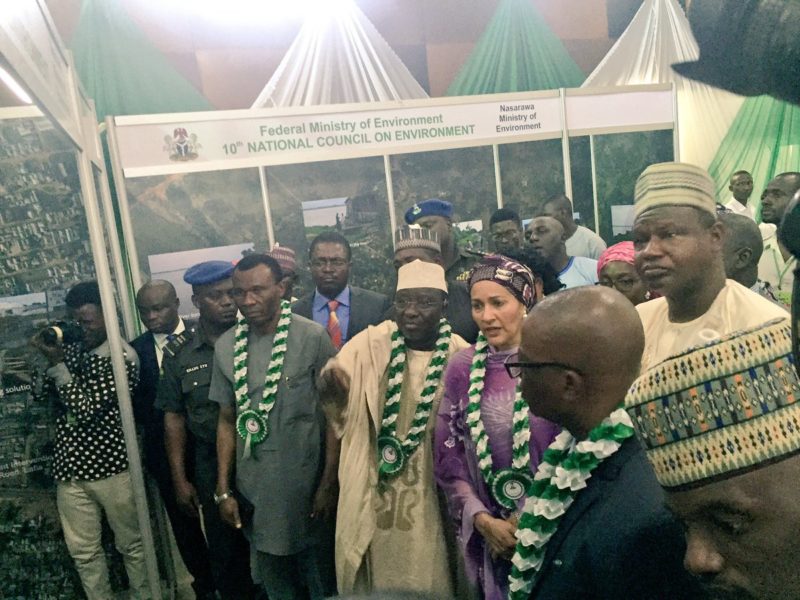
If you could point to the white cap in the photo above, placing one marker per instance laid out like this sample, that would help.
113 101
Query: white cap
418 274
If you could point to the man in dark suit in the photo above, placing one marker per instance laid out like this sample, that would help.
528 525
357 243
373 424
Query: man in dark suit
158 303
607 535
344 310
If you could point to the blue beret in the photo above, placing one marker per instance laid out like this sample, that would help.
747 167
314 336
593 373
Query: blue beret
210 271
429 208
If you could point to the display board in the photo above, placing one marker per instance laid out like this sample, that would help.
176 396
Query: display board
53 234
261 176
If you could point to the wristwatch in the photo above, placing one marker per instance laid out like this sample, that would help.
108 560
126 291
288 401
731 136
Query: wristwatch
222 497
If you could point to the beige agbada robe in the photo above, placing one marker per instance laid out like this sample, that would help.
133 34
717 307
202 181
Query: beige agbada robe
359 568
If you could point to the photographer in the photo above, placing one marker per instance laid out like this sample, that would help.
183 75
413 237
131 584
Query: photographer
90 464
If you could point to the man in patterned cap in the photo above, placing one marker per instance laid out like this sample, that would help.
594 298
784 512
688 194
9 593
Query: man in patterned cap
288 261
381 393
415 243
720 427
437 215
678 242
190 425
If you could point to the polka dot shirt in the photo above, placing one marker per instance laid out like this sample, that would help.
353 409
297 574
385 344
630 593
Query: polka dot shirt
89 441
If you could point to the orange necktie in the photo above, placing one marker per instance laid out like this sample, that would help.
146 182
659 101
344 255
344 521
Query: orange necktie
334 330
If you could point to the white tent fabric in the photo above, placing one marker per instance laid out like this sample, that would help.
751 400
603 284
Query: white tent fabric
658 36
338 57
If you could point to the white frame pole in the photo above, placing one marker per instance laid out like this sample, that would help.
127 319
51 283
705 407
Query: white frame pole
498 183
387 169
676 134
123 392
124 213
262 178
116 254
565 158
594 186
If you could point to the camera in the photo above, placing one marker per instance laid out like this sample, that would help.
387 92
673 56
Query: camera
61 332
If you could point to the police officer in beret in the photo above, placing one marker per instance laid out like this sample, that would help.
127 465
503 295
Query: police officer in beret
437 215
190 423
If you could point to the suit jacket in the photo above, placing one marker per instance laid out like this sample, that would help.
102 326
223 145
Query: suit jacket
366 308
149 419
617 540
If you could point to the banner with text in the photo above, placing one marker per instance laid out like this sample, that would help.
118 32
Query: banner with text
238 139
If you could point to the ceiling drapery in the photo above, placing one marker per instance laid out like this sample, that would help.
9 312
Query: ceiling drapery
339 57
659 36
518 52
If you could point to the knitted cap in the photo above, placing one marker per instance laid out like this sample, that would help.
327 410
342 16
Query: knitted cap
416 237
674 184
720 410
285 257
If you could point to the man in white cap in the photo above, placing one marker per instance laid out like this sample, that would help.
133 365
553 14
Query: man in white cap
678 242
381 394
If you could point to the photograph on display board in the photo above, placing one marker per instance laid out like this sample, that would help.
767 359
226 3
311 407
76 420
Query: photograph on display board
346 196
531 172
619 159
44 241
191 211
441 174
172 265
44 250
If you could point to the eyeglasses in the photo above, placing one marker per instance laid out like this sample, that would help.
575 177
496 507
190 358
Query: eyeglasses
419 304
515 368
621 284
319 263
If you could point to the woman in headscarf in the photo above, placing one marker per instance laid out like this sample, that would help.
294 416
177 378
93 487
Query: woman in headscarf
615 269
488 444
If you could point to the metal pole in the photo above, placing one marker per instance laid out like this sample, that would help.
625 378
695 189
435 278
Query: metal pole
565 145
262 178
594 187
124 212
97 242
498 182
128 319
387 169
676 133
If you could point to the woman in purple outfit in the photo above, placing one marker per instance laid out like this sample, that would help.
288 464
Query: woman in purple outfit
488 444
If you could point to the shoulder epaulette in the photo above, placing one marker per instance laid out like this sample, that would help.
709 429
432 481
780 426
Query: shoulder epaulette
179 342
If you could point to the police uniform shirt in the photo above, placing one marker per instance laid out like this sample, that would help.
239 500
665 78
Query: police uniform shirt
185 382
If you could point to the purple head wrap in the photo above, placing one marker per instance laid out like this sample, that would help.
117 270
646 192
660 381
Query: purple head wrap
516 278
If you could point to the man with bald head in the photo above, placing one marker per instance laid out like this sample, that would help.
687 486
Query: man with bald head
741 250
777 265
678 242
546 236
580 240
157 303
602 529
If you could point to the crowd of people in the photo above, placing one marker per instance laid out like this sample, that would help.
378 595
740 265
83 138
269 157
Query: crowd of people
552 420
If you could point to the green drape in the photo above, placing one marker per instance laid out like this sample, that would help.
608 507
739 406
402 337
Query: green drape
122 71
764 139
518 52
